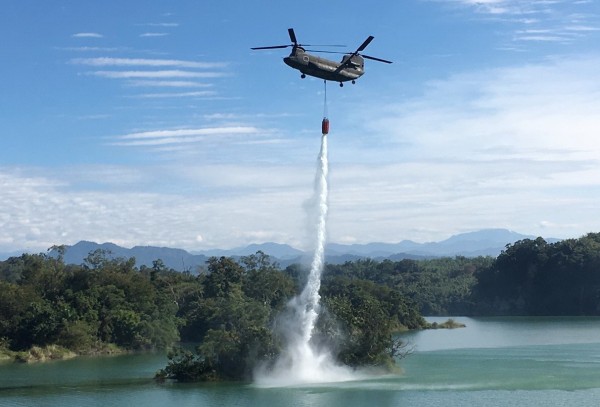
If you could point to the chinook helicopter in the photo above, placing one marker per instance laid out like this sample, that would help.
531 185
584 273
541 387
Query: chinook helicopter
351 67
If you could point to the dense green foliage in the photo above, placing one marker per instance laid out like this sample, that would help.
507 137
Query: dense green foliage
364 317
529 277
84 308
533 277
233 320
436 286
231 307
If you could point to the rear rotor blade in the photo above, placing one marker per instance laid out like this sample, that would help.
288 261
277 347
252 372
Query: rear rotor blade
292 36
376 59
364 44
324 45
325 52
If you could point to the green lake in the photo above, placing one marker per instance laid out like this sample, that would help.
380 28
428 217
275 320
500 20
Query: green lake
492 362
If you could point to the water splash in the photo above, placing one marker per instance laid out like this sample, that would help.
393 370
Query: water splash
302 362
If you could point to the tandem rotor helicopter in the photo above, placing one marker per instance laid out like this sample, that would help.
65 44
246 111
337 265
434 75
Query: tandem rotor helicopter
351 67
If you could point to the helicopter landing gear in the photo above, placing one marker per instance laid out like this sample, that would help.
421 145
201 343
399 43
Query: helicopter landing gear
341 84
353 82
303 76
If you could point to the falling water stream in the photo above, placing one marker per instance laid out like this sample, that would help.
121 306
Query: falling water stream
310 297
301 362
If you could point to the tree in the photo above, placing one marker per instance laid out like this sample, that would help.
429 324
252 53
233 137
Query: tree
231 320
265 282
367 316
224 276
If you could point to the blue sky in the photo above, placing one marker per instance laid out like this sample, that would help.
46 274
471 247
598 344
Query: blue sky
153 123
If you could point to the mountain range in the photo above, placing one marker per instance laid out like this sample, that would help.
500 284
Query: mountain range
487 242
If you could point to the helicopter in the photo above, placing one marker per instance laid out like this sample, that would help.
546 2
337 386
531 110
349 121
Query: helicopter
351 67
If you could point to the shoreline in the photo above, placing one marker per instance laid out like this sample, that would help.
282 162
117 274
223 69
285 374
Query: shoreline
49 353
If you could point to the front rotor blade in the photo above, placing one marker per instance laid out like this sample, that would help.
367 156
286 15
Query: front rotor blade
272 47
325 45
292 36
325 52
364 44
376 59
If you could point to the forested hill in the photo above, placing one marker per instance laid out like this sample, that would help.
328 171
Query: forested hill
529 277
534 277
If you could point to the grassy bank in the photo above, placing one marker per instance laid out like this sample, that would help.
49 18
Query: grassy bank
53 352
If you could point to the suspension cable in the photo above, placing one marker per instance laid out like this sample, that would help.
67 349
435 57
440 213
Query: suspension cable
325 102
325 122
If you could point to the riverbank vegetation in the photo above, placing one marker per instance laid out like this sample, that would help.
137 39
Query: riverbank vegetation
533 277
102 306
529 278
229 308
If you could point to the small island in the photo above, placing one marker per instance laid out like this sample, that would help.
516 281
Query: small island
449 324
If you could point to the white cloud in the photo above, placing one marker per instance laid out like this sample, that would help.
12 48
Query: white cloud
40 212
169 84
87 35
152 35
151 77
189 132
90 49
555 21
507 147
583 28
157 74
109 61
164 95
178 136
162 25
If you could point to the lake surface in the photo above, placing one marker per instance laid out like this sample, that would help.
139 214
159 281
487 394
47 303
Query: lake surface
491 362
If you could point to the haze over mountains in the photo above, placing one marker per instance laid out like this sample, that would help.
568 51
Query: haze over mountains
488 242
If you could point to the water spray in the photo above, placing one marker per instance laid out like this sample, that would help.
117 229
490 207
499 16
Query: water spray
301 362
310 295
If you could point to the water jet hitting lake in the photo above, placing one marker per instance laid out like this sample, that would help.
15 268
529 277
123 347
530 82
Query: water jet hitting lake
301 361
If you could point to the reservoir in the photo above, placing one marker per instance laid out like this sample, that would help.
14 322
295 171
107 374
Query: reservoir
490 362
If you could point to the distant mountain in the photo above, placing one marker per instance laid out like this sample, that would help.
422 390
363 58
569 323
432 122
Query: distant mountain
16 253
176 259
280 251
488 242
372 249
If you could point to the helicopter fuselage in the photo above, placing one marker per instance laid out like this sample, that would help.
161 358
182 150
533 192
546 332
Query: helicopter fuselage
349 69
